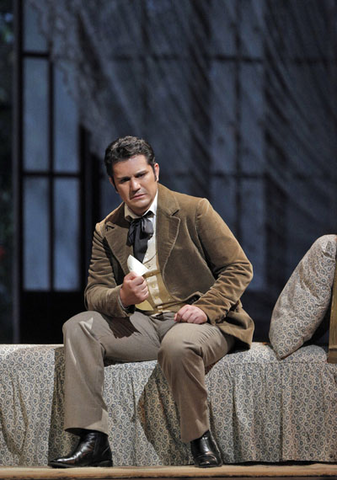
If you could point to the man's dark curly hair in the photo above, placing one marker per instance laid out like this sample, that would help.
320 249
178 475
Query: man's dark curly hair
124 148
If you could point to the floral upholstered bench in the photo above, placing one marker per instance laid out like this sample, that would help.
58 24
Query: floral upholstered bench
273 403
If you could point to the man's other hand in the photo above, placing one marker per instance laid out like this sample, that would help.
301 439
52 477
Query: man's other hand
134 290
190 314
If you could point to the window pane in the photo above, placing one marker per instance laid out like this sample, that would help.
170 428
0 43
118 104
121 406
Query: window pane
252 119
253 229
224 191
223 19
66 128
174 17
223 115
66 204
172 102
33 39
36 234
35 114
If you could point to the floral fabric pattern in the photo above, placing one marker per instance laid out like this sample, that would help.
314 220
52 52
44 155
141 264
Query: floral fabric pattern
261 409
305 299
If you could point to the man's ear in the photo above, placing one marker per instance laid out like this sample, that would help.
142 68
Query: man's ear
156 171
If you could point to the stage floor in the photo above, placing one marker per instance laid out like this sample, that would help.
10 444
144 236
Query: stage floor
298 471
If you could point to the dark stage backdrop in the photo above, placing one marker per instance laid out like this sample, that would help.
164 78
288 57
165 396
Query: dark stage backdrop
238 99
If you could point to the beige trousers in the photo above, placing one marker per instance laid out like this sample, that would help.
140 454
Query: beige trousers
183 350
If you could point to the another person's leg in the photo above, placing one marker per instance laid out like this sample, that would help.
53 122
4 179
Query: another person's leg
91 341
184 353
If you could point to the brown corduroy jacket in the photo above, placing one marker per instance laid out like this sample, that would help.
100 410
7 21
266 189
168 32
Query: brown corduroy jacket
200 260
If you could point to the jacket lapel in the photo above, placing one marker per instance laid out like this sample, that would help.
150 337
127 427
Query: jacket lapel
167 225
117 229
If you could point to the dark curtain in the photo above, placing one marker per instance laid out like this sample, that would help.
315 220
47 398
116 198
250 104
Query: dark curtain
238 99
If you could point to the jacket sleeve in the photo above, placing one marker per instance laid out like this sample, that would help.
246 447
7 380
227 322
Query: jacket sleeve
102 291
227 261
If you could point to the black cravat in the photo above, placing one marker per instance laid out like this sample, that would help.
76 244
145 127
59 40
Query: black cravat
141 229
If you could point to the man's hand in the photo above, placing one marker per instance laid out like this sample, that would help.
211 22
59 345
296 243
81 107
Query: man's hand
134 290
190 314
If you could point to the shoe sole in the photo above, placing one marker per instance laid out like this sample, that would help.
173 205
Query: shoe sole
105 463
208 466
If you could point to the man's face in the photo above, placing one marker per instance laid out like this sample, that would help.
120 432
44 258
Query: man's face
136 182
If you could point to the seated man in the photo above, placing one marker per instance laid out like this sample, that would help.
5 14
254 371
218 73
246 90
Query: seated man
184 310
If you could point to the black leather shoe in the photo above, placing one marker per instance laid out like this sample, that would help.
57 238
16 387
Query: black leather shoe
205 452
93 450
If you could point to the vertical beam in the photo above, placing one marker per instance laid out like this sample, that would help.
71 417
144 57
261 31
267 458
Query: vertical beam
90 195
200 177
332 66
51 177
17 149
332 352
145 57
238 136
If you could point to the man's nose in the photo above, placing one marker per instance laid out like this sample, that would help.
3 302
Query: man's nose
134 184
